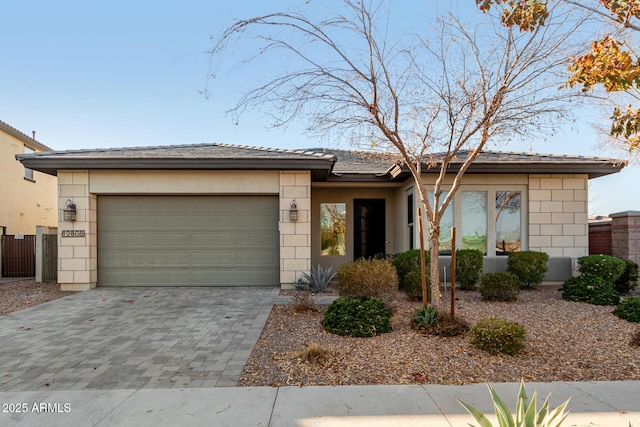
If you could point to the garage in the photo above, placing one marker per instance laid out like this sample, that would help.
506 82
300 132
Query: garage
188 240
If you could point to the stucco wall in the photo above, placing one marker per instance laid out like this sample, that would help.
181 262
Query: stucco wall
77 256
346 195
25 203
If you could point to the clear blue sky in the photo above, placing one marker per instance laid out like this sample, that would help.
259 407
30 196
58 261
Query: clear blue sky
130 73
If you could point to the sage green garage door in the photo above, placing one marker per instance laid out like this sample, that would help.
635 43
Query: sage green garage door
188 241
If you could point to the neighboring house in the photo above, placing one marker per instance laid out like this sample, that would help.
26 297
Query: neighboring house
220 215
29 198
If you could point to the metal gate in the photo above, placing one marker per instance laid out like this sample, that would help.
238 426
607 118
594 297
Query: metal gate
19 255
49 257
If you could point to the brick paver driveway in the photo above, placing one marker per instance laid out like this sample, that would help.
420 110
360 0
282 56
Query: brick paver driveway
124 338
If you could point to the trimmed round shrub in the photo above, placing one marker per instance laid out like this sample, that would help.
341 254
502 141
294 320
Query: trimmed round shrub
357 317
607 267
468 268
528 266
590 288
501 286
367 277
629 309
629 278
413 285
408 261
495 336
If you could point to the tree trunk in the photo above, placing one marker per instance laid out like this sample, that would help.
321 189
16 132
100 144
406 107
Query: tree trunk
434 248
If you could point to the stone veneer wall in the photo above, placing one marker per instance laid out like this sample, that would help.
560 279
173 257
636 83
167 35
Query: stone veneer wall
77 256
295 237
558 223
625 235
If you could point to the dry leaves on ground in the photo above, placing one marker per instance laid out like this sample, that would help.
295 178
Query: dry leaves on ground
566 341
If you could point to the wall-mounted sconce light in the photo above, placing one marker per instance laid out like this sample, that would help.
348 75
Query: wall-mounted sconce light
293 212
69 213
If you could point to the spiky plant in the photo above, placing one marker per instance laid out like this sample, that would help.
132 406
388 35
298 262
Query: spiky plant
526 413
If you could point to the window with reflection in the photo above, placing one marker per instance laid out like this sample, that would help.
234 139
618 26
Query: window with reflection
333 228
508 221
445 224
474 220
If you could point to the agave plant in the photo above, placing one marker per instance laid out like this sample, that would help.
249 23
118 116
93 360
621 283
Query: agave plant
319 278
425 316
526 413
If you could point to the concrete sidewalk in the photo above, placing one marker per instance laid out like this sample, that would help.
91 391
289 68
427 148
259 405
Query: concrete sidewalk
592 404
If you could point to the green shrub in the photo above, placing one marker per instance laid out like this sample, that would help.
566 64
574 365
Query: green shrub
501 286
357 317
607 267
413 285
367 277
468 268
629 278
408 261
590 288
529 266
496 336
629 309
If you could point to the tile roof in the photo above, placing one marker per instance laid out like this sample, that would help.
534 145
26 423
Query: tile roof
29 141
336 164
200 151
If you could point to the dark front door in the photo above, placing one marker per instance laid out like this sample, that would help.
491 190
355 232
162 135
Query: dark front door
369 239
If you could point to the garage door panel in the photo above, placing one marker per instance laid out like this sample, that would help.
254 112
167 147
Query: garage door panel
116 260
188 240
206 259
256 240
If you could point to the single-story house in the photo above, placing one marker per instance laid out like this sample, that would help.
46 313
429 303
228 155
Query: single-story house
221 215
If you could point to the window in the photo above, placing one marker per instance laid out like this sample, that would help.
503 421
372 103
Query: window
28 173
333 228
410 213
445 224
508 222
474 220
489 218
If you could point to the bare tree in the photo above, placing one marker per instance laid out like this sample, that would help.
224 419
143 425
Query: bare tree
429 99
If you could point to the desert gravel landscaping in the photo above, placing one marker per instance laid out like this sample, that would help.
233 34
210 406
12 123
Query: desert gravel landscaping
22 294
565 341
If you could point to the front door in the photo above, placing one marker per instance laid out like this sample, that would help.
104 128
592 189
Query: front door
369 238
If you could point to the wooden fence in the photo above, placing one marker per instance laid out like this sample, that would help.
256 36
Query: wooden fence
18 256
49 257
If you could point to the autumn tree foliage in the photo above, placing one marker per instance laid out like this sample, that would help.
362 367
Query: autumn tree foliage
611 63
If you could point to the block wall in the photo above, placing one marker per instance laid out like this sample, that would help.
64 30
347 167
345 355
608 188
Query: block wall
625 235
558 223
77 256
295 237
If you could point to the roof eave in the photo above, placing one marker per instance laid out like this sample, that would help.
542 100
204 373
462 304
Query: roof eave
592 169
50 165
